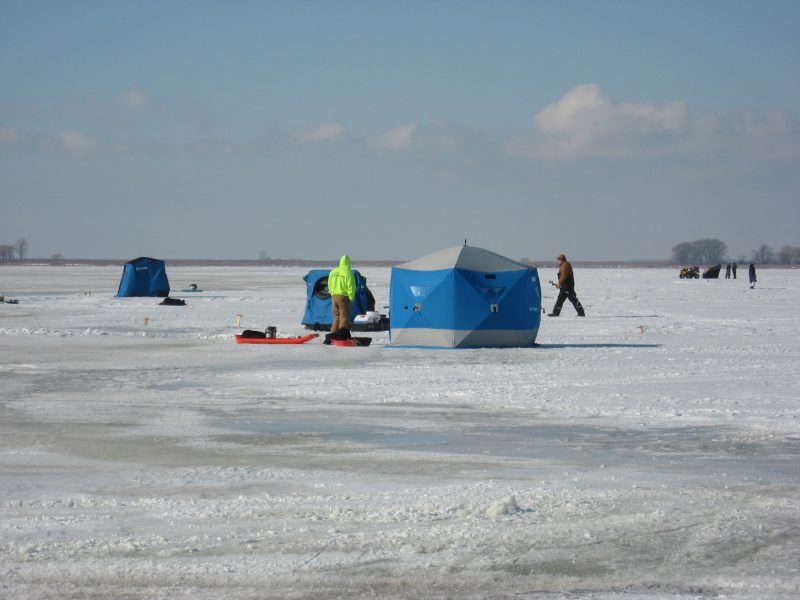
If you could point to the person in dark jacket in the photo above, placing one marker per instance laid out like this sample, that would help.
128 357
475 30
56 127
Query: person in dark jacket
733 270
728 271
566 287
752 273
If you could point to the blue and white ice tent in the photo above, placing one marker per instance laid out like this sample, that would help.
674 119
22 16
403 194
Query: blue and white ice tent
144 276
464 297
319 309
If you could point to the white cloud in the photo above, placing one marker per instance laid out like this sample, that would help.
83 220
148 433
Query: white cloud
134 100
71 142
396 138
321 133
77 144
586 122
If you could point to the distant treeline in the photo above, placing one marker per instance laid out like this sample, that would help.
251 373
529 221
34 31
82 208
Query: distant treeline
698 252
714 251
10 252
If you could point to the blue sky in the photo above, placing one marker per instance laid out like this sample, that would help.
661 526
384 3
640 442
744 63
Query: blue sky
604 130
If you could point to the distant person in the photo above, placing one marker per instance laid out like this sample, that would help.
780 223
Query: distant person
728 271
733 270
566 286
342 287
752 273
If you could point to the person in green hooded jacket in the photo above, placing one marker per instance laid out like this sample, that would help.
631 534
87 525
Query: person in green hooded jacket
342 287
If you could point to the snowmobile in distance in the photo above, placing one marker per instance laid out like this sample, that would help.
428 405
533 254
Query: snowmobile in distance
690 273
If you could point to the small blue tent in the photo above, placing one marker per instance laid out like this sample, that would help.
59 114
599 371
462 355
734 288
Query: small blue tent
144 277
464 297
319 309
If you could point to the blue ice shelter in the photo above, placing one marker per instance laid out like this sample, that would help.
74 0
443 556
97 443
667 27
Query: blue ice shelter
144 276
319 308
464 297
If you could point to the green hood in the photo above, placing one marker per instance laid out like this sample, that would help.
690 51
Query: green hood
341 280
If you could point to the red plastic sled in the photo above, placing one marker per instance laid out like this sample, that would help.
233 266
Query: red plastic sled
295 340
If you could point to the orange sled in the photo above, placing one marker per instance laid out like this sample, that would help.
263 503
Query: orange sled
295 340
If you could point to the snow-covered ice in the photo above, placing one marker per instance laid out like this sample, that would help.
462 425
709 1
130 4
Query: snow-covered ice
649 450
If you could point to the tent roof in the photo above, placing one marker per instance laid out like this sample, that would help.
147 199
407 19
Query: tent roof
143 258
469 258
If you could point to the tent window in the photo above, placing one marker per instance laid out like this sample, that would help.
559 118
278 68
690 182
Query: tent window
490 276
321 289
419 291
494 308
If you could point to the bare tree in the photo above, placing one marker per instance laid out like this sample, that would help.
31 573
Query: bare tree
706 251
711 251
21 246
6 253
789 255
682 253
763 255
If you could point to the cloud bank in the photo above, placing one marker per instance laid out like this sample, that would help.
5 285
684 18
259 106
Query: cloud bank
583 123
396 138
321 133
586 123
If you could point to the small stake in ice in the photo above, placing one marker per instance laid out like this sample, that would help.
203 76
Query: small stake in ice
146 321
642 328
238 320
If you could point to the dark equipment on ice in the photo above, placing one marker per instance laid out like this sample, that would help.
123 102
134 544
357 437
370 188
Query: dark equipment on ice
252 334
270 332
712 272
690 273
172 302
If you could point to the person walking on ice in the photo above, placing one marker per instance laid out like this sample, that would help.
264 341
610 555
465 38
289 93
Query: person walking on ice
752 273
566 287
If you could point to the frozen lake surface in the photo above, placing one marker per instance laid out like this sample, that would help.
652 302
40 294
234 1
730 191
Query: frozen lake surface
649 450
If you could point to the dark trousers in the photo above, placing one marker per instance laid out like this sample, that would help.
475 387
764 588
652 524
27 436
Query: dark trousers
567 295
